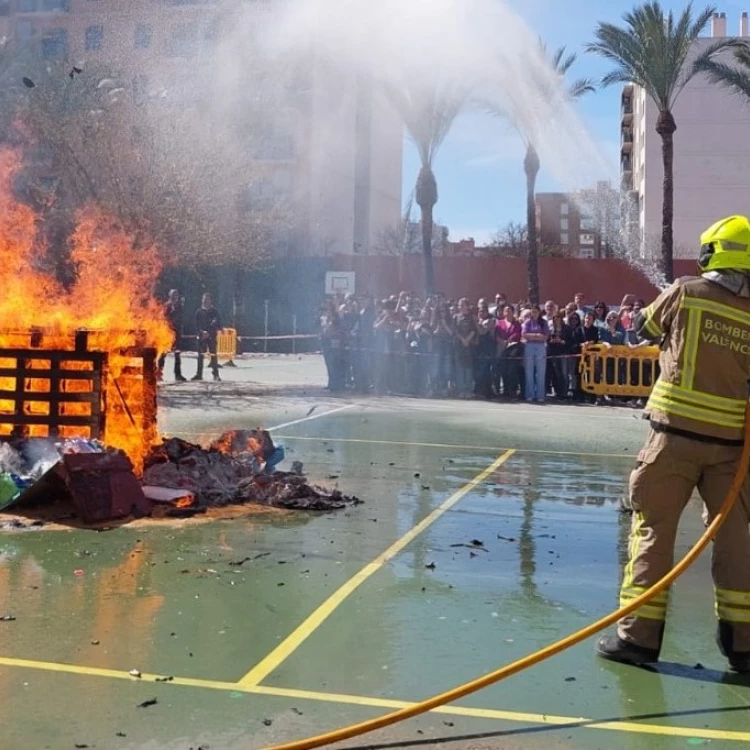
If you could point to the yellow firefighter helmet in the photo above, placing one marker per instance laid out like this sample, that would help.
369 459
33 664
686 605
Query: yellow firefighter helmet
726 245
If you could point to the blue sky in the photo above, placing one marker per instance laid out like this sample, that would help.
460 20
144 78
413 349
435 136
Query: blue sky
482 184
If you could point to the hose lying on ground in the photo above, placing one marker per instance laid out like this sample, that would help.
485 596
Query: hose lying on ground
491 678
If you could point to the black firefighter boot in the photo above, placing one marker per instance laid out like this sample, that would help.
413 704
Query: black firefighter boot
199 374
178 376
215 367
614 648
739 661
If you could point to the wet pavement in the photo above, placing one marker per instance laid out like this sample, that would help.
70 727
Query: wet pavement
239 613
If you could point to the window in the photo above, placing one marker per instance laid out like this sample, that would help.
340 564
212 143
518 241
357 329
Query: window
563 238
587 223
63 5
55 45
564 224
564 209
143 36
27 6
587 239
4 7
586 252
94 37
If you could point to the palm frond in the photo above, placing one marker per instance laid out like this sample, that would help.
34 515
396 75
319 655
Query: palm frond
580 87
619 76
530 111
704 60
428 113
701 21
505 112
625 50
734 78
562 64
742 56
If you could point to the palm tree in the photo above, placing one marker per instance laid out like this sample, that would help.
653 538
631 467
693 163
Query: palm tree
657 51
428 113
530 124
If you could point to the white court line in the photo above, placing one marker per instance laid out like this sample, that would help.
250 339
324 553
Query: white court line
311 417
390 403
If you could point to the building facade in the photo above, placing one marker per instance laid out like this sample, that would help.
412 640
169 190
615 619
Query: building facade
329 144
711 159
582 224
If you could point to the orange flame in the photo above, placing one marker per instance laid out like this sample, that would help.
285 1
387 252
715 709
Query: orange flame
238 441
111 297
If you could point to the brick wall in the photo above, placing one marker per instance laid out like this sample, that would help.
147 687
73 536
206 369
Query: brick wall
560 278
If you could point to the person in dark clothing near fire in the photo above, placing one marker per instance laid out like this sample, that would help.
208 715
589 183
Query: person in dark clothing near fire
174 310
207 325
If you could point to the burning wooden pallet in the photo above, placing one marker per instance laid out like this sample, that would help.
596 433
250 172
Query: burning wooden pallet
79 385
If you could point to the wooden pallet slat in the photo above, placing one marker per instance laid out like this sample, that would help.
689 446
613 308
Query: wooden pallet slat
53 367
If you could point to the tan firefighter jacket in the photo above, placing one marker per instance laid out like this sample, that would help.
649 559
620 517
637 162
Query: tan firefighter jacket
705 359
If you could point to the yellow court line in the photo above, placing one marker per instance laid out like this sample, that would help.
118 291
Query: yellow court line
386 703
494 448
513 716
77 669
292 642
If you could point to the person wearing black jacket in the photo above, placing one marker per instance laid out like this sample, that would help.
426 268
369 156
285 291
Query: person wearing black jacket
574 337
557 374
207 326
174 310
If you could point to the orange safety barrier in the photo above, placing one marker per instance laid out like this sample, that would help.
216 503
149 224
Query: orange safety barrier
226 344
619 370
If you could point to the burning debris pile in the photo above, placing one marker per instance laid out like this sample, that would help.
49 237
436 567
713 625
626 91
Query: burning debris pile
78 385
229 473
87 481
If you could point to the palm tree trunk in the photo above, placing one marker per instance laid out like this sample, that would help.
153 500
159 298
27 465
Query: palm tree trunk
665 127
429 270
531 167
426 195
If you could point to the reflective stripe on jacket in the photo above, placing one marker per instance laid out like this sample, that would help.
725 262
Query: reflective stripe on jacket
705 359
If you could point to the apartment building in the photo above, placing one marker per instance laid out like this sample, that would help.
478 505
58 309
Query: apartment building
582 224
333 148
711 158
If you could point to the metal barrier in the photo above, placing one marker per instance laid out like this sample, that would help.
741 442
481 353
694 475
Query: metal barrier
226 345
619 370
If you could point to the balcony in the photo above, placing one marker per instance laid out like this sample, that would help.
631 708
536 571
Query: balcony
626 109
626 140
626 164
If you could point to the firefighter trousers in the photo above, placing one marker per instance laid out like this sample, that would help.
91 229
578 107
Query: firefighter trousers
669 468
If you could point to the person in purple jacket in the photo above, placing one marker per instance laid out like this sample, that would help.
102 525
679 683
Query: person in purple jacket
534 334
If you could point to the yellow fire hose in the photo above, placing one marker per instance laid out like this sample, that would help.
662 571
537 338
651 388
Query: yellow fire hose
491 678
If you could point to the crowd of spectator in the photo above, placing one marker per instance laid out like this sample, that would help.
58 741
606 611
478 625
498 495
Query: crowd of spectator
489 350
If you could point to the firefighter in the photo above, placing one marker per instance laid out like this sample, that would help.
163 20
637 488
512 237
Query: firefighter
696 411
208 325
174 311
